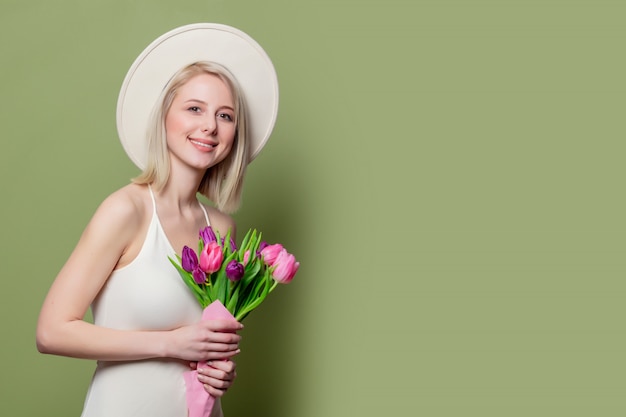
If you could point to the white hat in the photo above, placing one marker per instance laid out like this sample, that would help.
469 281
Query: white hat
156 65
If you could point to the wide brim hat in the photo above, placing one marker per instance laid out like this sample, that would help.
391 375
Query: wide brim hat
185 45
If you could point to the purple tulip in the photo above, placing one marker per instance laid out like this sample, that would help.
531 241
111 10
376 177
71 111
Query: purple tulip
199 276
189 259
233 246
234 270
262 246
208 235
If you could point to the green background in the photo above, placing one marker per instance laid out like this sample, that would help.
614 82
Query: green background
449 173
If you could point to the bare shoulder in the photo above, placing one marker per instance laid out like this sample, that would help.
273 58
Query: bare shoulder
221 221
121 212
125 205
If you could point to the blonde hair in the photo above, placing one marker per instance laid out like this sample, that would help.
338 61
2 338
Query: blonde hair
222 183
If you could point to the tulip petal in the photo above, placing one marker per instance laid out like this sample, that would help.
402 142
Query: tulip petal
285 267
199 276
270 253
208 235
211 258
189 260
234 270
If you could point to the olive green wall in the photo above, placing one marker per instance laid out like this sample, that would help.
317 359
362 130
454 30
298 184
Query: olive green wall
450 174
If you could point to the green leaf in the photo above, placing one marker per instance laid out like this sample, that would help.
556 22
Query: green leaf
222 286
190 282
232 302
226 246
244 242
217 236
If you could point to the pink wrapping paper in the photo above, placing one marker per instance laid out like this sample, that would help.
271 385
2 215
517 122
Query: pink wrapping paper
199 402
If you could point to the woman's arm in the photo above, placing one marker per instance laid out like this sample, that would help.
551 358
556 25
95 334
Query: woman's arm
61 329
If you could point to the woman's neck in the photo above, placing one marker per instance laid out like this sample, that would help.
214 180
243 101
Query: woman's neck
182 186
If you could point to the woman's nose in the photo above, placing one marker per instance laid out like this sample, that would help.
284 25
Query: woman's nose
210 126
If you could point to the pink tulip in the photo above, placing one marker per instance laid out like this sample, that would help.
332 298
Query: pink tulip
211 258
285 267
246 257
270 253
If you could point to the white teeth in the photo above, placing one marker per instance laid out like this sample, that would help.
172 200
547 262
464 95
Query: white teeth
206 145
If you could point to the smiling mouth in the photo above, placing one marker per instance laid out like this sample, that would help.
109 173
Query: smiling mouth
203 144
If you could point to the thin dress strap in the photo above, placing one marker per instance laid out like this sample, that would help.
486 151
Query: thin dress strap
152 197
206 216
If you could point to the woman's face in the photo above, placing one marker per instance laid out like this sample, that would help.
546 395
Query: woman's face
200 124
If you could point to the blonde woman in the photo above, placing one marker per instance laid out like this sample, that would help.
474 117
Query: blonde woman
196 106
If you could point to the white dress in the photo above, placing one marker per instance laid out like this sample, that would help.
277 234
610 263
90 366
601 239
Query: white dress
147 294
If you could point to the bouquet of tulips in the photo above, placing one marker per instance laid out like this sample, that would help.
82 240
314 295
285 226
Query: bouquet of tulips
229 283
240 278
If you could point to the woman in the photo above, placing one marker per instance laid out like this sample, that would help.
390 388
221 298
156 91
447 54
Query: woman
201 87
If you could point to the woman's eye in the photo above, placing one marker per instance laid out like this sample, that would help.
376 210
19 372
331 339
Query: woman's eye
225 116
194 109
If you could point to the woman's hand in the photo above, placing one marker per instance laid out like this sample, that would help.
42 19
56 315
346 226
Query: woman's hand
205 341
217 376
